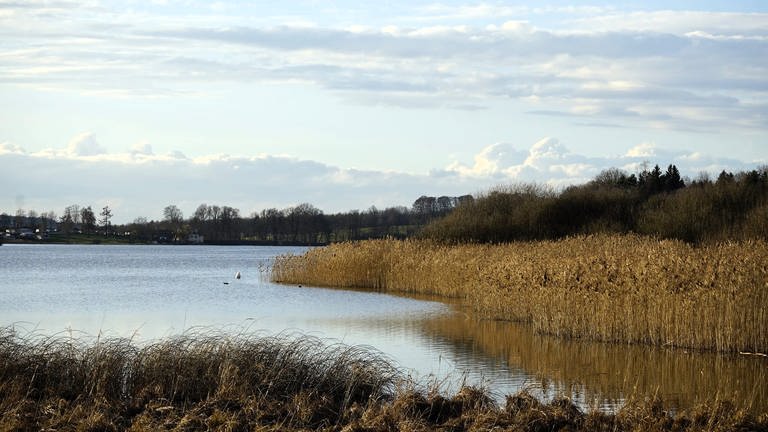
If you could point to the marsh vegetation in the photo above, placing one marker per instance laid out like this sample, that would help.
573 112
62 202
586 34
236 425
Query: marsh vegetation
207 381
614 288
629 290
565 264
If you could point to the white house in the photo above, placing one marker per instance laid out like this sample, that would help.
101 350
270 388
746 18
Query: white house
195 238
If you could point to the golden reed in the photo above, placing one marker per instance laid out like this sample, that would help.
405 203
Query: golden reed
616 288
205 381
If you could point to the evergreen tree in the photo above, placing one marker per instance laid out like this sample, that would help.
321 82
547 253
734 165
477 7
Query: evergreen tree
672 180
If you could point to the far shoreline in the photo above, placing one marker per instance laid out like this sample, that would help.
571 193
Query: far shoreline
112 241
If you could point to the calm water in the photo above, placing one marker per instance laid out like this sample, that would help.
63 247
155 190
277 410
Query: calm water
148 292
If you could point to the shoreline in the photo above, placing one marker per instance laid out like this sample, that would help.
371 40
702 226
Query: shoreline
109 241
623 289
206 381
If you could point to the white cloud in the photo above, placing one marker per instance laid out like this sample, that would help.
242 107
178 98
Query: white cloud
84 145
678 22
142 148
10 148
520 27
663 69
549 161
442 12
142 184
571 171
177 154
644 150
546 152
490 161
600 67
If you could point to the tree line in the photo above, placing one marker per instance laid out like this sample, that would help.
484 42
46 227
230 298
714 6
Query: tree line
300 224
652 202
75 218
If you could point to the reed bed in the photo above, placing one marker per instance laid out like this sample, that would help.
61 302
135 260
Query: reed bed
614 288
216 382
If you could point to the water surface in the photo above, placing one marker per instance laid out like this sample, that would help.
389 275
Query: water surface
147 292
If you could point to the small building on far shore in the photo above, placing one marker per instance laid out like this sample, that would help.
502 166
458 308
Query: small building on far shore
195 238
25 234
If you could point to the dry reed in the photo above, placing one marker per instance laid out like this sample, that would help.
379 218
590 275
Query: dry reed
208 381
616 288
299 380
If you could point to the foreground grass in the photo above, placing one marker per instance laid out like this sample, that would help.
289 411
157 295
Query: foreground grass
216 382
194 381
616 288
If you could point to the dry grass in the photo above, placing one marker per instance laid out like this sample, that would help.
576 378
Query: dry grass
298 381
245 383
617 288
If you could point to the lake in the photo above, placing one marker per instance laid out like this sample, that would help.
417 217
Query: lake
152 291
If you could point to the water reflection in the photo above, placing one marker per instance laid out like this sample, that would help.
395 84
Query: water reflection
605 375
147 292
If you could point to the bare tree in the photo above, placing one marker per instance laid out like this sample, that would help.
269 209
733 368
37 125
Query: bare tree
214 212
48 220
173 215
20 219
73 213
106 216
201 213
425 205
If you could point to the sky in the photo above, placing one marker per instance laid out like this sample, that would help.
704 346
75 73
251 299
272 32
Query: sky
350 104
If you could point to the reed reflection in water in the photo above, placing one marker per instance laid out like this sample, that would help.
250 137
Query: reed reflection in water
605 375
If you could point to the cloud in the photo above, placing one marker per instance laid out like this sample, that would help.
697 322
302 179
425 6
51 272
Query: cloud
549 161
10 148
644 150
142 148
546 152
679 22
491 161
546 161
443 12
85 145
140 183
681 70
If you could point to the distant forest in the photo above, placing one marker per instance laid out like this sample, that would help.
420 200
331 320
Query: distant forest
301 224
653 202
